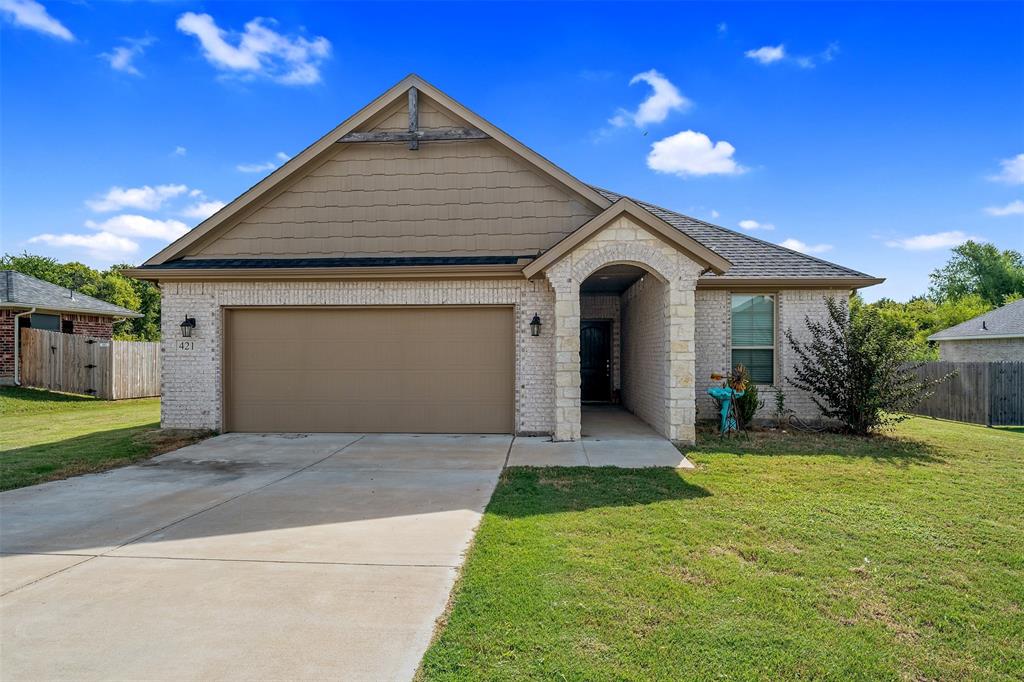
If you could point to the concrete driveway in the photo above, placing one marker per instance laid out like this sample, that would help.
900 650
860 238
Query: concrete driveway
244 556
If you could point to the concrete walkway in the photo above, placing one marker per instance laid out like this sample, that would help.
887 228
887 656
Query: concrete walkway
611 437
243 557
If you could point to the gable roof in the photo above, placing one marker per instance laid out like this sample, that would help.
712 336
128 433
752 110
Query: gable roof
751 258
1005 322
18 290
265 188
655 224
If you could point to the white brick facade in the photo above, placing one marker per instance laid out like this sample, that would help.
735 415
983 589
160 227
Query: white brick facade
982 350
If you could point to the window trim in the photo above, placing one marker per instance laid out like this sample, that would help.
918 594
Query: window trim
774 348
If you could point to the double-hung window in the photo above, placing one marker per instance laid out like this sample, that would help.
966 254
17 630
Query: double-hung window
753 335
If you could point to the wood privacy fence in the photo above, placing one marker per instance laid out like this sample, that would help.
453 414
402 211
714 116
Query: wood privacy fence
73 363
990 393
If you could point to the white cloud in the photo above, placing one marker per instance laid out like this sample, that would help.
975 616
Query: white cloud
258 50
714 214
262 167
665 99
1012 172
930 242
203 209
1013 208
797 245
32 15
127 225
692 153
122 57
180 151
723 27
145 198
102 246
752 225
767 54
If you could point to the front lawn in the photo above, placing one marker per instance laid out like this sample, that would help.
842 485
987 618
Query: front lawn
781 557
46 436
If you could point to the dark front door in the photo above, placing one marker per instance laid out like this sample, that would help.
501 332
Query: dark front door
596 360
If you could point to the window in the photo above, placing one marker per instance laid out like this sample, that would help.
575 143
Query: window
43 321
753 335
67 326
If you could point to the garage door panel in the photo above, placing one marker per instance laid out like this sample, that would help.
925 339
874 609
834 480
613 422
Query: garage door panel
428 370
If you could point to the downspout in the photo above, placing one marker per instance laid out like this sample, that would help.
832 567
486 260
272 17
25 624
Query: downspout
17 345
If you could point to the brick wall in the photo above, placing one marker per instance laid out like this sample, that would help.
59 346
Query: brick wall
982 350
191 379
644 360
7 345
605 307
91 325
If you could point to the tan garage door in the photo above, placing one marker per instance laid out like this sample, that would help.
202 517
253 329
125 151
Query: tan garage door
412 370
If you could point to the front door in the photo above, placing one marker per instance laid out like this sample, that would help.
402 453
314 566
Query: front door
596 361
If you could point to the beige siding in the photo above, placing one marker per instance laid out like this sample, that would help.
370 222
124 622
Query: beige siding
444 199
982 350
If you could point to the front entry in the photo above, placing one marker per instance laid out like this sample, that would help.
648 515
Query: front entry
596 361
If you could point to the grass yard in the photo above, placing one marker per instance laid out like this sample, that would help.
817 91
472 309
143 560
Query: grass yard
46 436
781 557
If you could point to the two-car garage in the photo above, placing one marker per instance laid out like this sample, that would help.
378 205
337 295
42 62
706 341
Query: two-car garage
369 369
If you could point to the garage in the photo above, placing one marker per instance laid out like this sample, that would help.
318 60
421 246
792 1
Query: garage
371 370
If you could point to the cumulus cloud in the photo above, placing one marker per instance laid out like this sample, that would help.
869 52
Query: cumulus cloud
751 225
664 99
102 246
145 198
1011 171
1012 208
930 242
258 50
691 153
797 245
128 225
263 167
122 57
33 16
203 209
767 54
179 151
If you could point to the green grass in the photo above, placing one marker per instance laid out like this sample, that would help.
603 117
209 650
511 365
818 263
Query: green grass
46 436
781 557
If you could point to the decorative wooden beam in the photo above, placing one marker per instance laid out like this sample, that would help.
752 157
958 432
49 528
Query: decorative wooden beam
435 135
414 118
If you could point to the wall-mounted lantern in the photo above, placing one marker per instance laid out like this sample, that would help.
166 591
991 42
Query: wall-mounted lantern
187 326
535 325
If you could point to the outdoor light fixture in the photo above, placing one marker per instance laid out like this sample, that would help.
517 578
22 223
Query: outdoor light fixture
535 325
187 326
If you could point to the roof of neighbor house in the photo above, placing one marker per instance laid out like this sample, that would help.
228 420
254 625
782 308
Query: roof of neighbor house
18 290
747 258
1005 322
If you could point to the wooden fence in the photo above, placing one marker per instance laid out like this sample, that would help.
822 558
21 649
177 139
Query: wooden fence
107 369
990 393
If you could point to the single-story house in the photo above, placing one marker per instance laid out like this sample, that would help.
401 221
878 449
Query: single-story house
996 336
417 269
27 302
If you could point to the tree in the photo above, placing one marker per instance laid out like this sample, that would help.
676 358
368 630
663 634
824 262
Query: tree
855 366
979 269
108 285
920 317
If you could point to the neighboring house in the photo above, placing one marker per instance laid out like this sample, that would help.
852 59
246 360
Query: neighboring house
386 279
27 302
996 336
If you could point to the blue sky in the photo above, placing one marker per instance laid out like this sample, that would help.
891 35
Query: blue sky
875 135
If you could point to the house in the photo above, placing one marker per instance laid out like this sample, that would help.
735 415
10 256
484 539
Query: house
417 269
27 302
996 336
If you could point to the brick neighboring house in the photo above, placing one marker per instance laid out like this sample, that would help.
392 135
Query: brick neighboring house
27 302
995 336
391 277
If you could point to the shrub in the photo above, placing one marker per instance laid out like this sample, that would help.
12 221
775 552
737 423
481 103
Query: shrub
747 404
856 368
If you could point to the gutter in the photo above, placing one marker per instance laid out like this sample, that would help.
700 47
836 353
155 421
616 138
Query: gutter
974 338
17 347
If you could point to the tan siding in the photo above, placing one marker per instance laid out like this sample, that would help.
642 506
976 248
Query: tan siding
444 199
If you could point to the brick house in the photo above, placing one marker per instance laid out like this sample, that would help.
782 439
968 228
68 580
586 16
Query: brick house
995 336
419 270
27 302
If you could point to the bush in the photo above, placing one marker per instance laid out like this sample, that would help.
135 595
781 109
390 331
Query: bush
856 368
749 403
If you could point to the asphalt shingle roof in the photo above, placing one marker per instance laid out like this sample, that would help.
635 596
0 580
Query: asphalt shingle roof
750 257
17 289
1007 320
